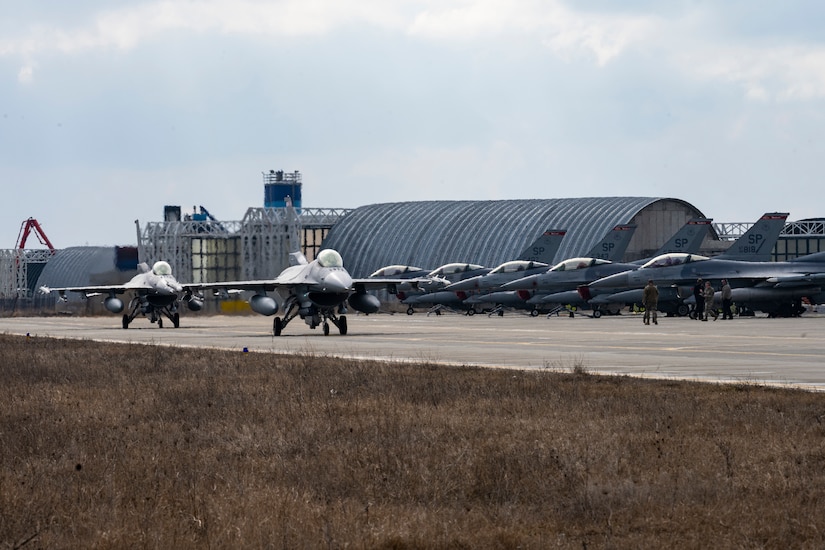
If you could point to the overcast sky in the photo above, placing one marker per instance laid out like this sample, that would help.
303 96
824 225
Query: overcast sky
111 109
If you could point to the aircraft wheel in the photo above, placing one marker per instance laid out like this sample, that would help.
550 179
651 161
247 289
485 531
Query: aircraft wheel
342 325
534 313
597 313
277 326
326 328
410 310
682 310
125 321
471 311
176 320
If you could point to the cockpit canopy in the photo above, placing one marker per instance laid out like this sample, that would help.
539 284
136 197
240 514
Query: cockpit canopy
162 268
674 258
330 258
452 269
395 270
518 265
578 263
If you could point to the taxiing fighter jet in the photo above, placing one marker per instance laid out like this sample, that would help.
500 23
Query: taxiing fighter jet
157 294
318 292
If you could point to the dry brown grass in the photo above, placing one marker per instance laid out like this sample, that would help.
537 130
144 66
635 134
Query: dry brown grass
111 446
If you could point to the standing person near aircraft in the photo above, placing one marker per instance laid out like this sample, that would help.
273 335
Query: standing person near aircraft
708 293
727 300
699 296
650 299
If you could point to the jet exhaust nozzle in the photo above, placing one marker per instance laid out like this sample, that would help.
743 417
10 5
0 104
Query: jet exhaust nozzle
265 305
115 305
365 303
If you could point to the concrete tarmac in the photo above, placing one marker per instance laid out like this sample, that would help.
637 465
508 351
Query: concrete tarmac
744 350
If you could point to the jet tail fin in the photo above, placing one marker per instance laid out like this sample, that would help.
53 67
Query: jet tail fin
688 239
613 246
544 248
757 243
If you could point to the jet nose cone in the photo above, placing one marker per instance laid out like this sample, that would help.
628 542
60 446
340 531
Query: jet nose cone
612 281
525 283
466 284
337 281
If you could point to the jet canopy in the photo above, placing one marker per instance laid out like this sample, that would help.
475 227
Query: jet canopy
452 269
578 263
518 265
162 268
330 258
674 258
396 270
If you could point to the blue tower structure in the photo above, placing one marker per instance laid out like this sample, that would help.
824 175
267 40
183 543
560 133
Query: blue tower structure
278 185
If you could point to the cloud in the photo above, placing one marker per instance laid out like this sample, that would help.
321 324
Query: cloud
26 74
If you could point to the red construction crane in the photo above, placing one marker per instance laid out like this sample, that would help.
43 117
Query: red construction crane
26 228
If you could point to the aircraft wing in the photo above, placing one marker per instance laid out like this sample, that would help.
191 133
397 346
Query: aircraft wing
94 290
265 284
419 283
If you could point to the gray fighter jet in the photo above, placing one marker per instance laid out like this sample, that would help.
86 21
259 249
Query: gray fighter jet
773 287
556 287
318 292
157 294
532 258
492 289
776 288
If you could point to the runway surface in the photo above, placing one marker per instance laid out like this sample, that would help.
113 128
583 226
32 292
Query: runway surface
752 350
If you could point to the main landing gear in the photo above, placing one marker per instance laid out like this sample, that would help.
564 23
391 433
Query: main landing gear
313 317
155 314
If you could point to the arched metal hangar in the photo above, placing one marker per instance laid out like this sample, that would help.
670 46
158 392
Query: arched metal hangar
429 234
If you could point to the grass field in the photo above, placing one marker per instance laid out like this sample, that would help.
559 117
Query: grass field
113 446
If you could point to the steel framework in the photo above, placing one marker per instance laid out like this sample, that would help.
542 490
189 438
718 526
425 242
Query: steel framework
256 247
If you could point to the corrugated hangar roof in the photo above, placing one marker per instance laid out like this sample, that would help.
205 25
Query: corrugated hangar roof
429 234
85 266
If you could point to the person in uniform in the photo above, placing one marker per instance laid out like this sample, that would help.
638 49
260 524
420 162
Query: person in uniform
650 299
708 295
699 296
727 300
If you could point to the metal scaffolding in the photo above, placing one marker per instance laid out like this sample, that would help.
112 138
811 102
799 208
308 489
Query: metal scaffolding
257 247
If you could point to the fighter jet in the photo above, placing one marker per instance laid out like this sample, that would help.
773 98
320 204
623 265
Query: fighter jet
773 287
776 288
438 298
318 292
532 259
157 294
558 285
493 289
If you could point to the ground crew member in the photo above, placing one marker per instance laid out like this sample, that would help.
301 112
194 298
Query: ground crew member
650 299
727 300
698 295
709 309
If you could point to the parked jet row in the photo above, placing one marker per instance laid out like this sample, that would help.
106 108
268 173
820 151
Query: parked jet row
752 248
532 259
556 287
